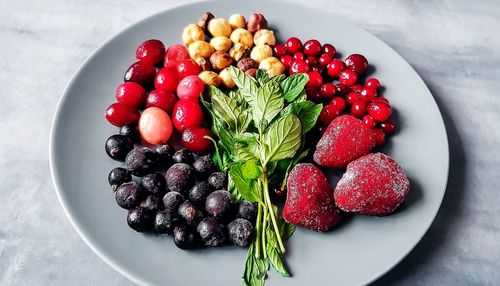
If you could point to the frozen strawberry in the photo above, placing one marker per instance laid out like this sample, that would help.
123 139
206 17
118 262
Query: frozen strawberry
310 201
372 185
345 139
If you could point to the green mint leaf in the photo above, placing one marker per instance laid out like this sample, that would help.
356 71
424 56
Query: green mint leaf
217 122
282 139
244 120
217 157
247 85
278 78
307 112
293 86
226 108
251 170
226 139
286 230
267 105
261 77
245 137
247 188
231 188
275 259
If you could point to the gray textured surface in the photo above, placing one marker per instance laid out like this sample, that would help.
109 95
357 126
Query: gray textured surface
452 44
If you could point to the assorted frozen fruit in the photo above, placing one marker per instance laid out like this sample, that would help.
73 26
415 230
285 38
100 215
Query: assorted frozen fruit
224 139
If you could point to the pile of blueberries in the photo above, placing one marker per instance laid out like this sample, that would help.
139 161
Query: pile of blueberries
176 193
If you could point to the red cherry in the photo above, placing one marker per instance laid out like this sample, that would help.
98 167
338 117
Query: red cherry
358 108
339 103
190 87
372 83
315 79
356 88
151 51
382 99
312 48
311 60
286 60
175 54
166 79
162 99
380 111
293 45
328 114
187 113
351 98
141 72
279 50
327 91
329 50
120 114
348 77
388 127
155 125
379 137
368 120
194 140
131 94
186 68
299 56
298 66
313 95
324 60
357 63
341 89
335 67
317 68
368 93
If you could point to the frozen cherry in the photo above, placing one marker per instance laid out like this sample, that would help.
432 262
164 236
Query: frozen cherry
348 77
312 48
194 140
117 177
140 219
367 94
335 67
186 68
298 66
190 87
166 79
293 45
328 114
117 147
358 108
339 103
162 99
324 60
299 56
388 127
286 60
315 79
183 156
131 131
154 183
380 111
341 89
372 83
329 50
357 63
327 91
187 114
155 125
279 50
120 114
368 120
129 195
379 136
351 98
310 60
141 72
151 51
176 54
131 94
313 94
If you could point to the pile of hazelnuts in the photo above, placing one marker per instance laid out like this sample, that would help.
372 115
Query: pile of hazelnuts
217 43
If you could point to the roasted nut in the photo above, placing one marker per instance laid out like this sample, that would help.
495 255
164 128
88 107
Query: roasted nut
239 51
272 66
226 79
243 37
246 64
204 64
219 27
256 22
200 49
220 60
263 37
221 43
260 53
204 19
209 78
192 33
237 21
251 72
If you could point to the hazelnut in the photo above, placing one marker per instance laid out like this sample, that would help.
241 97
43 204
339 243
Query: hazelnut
192 33
204 19
246 64
219 27
200 49
226 79
260 53
221 43
272 66
237 21
263 37
242 36
209 78
204 64
220 60
251 72
256 22
239 51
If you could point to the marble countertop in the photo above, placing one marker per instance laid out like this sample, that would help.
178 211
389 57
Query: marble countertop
453 45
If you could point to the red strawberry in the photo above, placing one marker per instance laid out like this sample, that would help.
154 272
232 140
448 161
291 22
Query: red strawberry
345 139
372 185
310 200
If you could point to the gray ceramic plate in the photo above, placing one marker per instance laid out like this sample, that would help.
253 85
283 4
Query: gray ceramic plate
356 253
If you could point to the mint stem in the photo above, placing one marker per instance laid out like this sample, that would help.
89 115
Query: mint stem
270 207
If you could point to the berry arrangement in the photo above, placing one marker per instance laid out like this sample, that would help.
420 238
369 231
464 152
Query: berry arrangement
222 138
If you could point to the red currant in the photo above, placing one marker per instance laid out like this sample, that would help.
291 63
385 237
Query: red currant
327 91
279 50
352 97
299 56
190 87
335 67
317 68
388 127
194 140
328 114
298 66
293 45
155 125
315 79
141 72
341 89
356 88
175 54
162 99
380 99
348 77
324 60
357 63
339 103
380 111
120 114
166 79
368 120
329 50
151 51
186 68
187 113
358 108
311 60
313 95
131 94
372 83
286 60
312 48
379 136
368 93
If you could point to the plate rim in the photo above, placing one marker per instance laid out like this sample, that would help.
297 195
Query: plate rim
56 118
